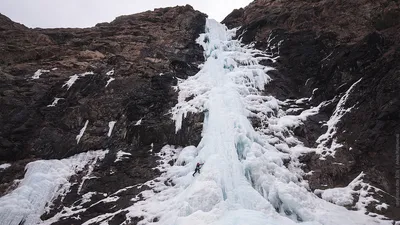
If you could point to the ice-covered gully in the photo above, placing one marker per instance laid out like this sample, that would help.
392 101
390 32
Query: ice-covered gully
250 176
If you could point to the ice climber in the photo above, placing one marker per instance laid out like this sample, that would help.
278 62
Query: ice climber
198 167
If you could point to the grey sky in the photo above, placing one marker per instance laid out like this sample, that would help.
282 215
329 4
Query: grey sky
86 13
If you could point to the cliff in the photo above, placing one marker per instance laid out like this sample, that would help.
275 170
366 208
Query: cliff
67 92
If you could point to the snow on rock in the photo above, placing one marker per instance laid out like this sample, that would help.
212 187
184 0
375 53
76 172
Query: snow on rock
249 176
74 78
54 103
122 155
344 196
302 100
43 182
79 136
138 122
382 206
151 147
4 166
111 125
89 172
39 72
110 73
87 197
327 143
71 81
109 81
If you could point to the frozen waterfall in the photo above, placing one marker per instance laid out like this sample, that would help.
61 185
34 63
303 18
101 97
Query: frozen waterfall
250 176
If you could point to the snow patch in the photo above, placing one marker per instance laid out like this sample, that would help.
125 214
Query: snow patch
4 166
327 143
382 206
79 136
109 81
122 155
74 78
87 197
90 170
111 125
39 72
110 73
54 103
249 176
138 122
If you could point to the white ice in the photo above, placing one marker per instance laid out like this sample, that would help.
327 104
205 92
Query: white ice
327 143
43 182
81 132
249 176
122 155
109 81
54 103
88 175
111 125
110 73
74 78
39 72
71 81
4 166
345 195
138 122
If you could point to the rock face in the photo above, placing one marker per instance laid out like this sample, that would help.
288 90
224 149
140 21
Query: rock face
124 71
324 48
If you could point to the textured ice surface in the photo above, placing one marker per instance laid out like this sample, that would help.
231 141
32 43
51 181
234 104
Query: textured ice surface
44 180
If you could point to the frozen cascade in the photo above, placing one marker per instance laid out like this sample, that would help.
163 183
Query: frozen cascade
249 176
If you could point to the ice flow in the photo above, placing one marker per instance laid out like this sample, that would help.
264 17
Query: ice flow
244 179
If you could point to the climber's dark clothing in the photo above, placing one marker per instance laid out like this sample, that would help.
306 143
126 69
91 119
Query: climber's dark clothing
197 170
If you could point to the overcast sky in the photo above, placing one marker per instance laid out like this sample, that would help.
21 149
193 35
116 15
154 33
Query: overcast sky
86 13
